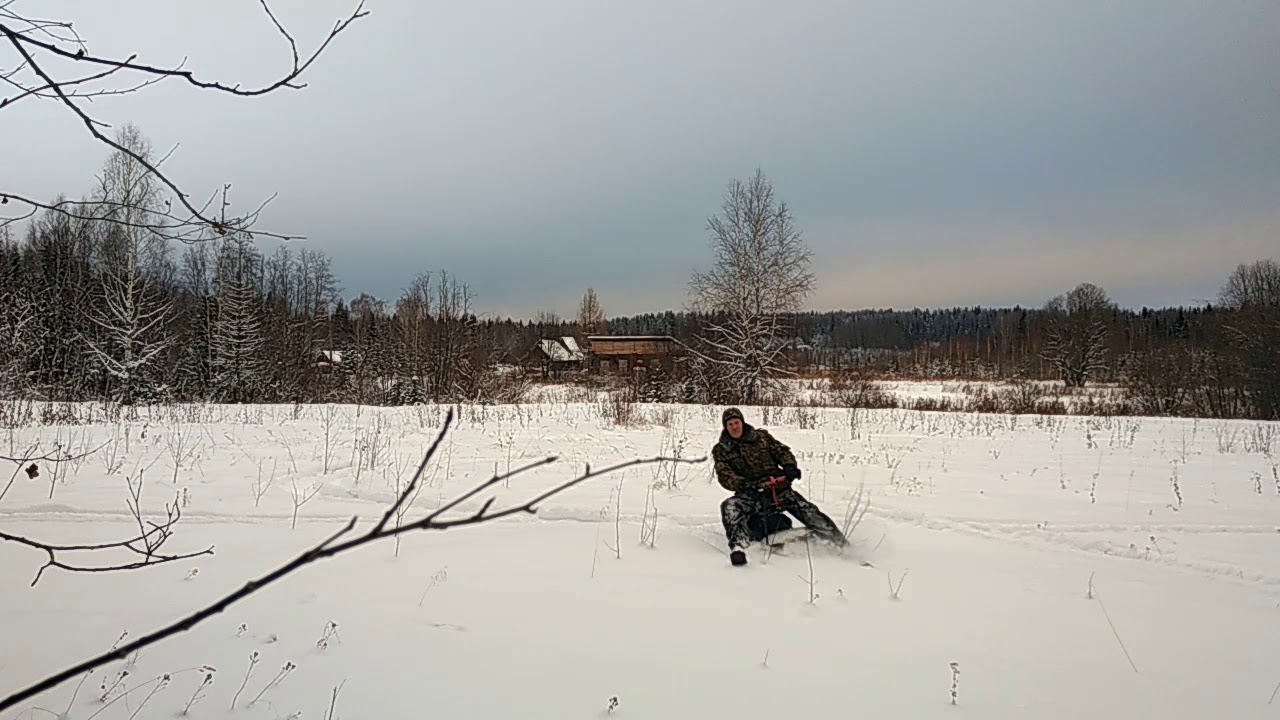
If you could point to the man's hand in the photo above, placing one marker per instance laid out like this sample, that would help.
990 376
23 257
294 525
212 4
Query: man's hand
791 472
774 484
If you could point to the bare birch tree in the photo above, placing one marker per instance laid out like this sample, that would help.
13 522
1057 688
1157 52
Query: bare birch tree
760 273
413 316
132 318
452 373
591 319
1076 339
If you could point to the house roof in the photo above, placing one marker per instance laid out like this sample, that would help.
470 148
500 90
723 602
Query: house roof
560 350
628 338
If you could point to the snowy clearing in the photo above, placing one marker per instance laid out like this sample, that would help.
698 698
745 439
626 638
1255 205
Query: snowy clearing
1125 567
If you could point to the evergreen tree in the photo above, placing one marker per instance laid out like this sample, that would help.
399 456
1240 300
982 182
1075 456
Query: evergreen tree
237 339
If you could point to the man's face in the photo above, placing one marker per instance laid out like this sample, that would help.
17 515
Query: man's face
734 426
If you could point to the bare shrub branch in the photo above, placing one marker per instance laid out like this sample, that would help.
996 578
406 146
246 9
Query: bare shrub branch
147 544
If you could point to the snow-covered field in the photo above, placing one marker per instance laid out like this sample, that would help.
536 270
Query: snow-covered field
1068 567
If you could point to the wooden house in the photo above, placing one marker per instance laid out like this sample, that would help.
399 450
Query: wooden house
556 356
621 354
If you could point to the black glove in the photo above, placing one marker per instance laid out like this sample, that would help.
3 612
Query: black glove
791 472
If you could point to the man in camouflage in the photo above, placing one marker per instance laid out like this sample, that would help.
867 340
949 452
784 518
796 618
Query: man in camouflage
759 469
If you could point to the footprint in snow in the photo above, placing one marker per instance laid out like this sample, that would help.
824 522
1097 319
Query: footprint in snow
445 626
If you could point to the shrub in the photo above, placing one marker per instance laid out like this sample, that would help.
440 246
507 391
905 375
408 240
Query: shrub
853 389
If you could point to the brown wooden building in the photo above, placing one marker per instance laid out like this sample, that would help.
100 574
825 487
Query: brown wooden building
619 354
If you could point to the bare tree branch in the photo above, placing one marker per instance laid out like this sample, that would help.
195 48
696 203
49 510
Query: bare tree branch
293 46
188 75
53 458
188 229
43 27
22 31
151 542
92 126
331 547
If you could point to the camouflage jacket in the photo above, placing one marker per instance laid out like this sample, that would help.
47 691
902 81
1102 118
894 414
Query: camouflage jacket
746 463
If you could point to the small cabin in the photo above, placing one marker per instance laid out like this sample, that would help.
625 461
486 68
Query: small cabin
622 354
556 356
326 360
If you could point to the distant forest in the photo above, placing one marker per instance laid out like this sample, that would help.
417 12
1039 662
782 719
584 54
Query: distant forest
89 311
972 342
1205 361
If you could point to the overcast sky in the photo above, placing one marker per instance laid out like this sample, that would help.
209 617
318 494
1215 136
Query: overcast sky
935 153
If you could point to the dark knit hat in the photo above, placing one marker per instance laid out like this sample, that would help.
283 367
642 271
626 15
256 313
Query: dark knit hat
732 413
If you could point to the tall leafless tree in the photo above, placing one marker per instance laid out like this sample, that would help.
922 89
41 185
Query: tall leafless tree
1252 292
1252 285
300 289
1076 340
436 338
413 317
760 273
17 317
132 319
452 371
50 61
61 251
591 319
370 354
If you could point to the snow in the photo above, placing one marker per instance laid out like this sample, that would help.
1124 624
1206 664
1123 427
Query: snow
998 524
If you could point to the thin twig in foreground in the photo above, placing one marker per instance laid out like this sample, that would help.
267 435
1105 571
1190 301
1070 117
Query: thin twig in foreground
150 541
1115 632
53 458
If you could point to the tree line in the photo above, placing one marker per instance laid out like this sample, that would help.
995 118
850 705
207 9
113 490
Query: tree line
1221 359
105 307
960 342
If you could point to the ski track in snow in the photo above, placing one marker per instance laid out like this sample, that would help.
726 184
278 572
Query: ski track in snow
1058 537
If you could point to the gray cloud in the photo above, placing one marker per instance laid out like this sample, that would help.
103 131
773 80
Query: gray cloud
537 148
1140 264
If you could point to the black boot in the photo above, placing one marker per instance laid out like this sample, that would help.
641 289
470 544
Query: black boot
738 557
